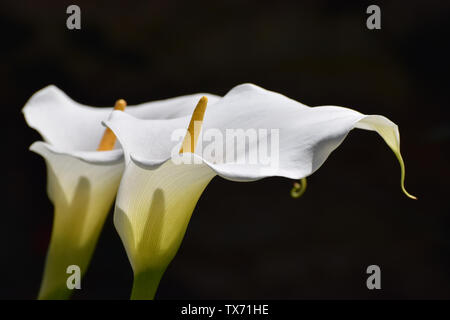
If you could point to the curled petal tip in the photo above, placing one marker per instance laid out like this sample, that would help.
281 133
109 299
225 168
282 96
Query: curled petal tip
298 189
402 175
408 194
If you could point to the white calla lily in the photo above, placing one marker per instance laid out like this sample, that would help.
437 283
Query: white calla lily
158 193
82 182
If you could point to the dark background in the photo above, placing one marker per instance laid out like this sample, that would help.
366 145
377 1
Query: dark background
248 240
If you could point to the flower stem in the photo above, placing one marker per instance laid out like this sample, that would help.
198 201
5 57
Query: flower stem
60 255
64 250
145 284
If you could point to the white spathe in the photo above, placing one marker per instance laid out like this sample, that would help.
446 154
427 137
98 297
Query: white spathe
156 196
82 182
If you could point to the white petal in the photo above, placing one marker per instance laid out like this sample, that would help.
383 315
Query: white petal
65 173
82 194
65 123
93 157
153 209
150 139
307 136
390 134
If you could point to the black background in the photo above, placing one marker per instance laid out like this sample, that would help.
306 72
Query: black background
248 240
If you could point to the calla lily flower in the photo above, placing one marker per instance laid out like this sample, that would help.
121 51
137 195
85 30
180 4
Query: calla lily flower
83 173
158 192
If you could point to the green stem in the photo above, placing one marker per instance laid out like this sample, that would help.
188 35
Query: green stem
60 255
61 293
145 284
64 250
